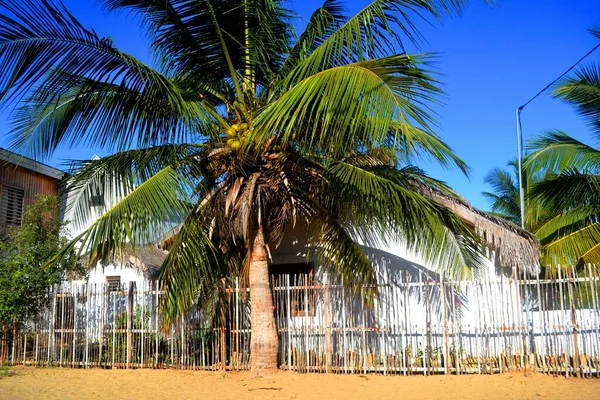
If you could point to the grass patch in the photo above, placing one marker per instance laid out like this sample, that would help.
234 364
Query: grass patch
5 371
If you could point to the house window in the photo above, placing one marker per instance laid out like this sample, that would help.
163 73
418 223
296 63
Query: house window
301 293
96 196
11 205
113 283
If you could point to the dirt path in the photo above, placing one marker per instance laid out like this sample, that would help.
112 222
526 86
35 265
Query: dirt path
30 383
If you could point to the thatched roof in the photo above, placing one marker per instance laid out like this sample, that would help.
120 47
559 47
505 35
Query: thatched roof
147 259
514 246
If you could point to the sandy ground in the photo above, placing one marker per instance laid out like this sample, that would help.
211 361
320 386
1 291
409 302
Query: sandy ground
40 383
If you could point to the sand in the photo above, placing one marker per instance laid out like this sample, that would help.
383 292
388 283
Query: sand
54 383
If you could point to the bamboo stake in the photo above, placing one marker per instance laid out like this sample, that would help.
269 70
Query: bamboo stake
344 331
423 288
477 326
327 324
384 306
156 328
101 295
74 323
237 318
289 320
24 346
504 351
306 340
88 300
142 320
595 312
576 360
563 312
14 341
405 358
37 337
541 354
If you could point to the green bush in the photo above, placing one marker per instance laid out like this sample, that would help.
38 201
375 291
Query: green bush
25 274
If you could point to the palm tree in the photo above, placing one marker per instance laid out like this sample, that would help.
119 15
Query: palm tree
505 199
241 130
572 190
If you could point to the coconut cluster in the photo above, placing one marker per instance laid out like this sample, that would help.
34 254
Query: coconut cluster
235 135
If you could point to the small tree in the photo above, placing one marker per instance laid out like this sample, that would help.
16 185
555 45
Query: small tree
24 275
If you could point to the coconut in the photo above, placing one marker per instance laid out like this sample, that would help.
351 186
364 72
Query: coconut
230 133
234 144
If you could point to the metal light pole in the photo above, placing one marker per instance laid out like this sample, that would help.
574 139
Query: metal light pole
531 343
522 189
520 134
520 158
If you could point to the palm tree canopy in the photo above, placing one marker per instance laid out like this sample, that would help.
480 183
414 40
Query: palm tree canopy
240 128
505 199
572 195
572 188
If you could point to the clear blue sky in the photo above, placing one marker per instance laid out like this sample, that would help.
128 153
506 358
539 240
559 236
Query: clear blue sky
493 59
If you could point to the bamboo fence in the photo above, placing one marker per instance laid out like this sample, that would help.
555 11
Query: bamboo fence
415 326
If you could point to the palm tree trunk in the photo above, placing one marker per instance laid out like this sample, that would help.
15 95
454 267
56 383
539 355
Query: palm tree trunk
263 340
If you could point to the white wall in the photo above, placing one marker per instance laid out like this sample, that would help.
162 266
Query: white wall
128 273
394 263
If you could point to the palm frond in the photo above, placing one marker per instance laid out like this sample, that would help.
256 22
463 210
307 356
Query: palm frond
371 33
138 217
567 221
384 204
51 118
324 21
333 111
420 143
342 257
505 196
570 188
50 61
114 176
556 151
583 92
192 270
189 39
569 248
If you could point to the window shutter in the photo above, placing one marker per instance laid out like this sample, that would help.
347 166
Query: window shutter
11 205
113 283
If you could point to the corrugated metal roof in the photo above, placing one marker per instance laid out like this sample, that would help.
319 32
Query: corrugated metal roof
32 165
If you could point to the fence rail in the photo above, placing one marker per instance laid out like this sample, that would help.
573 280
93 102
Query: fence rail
415 326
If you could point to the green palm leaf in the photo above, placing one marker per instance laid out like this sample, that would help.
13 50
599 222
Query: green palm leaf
390 199
238 135
583 92
569 248
328 114
139 217
418 143
370 33
47 120
556 151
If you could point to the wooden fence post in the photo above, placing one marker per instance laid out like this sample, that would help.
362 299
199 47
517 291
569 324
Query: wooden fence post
130 323
445 323
328 349
576 360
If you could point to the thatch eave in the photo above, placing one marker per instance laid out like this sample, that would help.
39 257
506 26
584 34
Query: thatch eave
145 259
514 246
